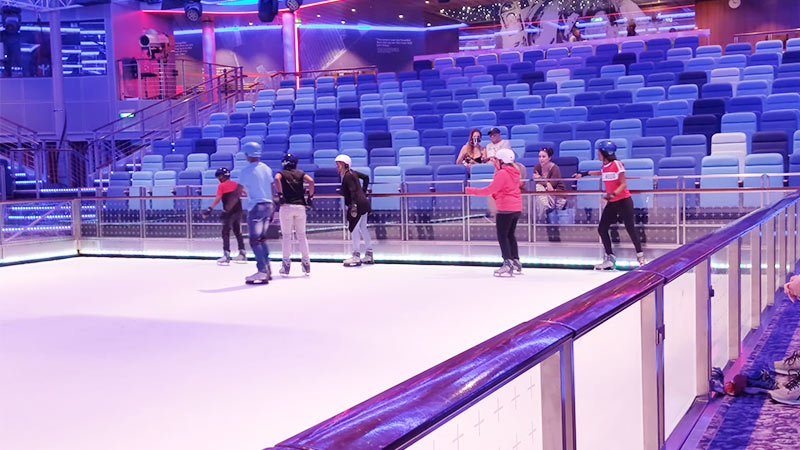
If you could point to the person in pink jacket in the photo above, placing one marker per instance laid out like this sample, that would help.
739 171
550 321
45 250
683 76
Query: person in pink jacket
505 190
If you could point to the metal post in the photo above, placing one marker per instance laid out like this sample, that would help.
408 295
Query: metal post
781 244
768 240
652 347
531 218
734 298
558 400
76 222
791 244
702 329
463 216
189 219
755 278
59 104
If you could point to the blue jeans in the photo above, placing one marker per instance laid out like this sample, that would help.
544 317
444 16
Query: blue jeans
258 220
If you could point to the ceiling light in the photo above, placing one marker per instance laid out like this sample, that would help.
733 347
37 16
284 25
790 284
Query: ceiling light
353 10
318 16
343 22
400 16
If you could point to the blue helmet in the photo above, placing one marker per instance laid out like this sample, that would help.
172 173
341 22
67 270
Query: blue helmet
252 149
607 146
289 161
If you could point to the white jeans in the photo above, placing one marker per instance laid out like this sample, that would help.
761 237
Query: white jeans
361 232
293 217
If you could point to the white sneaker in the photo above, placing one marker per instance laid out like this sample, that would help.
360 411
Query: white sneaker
609 263
792 362
258 277
353 261
789 393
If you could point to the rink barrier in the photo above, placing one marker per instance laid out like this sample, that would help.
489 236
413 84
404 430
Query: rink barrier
407 414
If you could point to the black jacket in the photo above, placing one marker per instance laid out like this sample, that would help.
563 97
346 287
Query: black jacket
354 193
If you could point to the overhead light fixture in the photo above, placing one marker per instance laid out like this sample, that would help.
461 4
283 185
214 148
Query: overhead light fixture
193 11
353 10
400 16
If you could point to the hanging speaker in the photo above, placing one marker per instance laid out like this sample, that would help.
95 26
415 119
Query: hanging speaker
294 5
267 10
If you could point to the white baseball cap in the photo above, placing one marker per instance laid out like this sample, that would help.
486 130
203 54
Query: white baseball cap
343 158
505 155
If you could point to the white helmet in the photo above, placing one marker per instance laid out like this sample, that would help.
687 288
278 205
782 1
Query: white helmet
505 155
344 159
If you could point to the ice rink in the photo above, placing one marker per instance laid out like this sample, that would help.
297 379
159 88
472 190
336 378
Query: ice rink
124 354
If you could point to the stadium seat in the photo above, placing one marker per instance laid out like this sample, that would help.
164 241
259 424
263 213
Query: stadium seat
705 124
693 145
733 144
719 165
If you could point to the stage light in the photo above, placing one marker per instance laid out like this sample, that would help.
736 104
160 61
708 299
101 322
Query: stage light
294 5
12 17
193 11
267 10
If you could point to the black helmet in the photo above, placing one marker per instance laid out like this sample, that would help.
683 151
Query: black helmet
223 172
289 161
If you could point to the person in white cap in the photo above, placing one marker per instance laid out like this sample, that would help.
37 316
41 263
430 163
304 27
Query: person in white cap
505 189
354 189
256 179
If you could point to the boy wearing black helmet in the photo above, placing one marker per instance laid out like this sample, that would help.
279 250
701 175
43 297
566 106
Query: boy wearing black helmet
229 193
289 183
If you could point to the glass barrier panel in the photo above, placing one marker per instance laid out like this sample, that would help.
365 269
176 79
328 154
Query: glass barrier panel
680 361
767 247
91 214
36 221
719 308
510 417
745 284
608 378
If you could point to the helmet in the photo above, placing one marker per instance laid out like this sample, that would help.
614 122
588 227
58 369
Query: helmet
505 155
252 149
223 172
344 159
289 161
608 147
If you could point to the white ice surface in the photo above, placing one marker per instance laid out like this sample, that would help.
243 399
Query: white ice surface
124 354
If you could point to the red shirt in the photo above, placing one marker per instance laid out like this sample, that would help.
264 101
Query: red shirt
226 187
611 173
230 197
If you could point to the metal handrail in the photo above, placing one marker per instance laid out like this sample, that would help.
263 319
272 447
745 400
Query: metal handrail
18 126
764 33
406 412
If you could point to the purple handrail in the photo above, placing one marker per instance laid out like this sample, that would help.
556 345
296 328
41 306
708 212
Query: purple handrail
414 407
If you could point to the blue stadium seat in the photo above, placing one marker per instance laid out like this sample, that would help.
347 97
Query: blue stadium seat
789 100
558 101
714 106
556 133
789 70
637 111
376 124
630 83
572 87
412 156
771 142
615 97
585 73
649 95
511 118
161 147
786 120
572 114
653 147
532 55
705 124
666 127
433 137
661 79
717 90
600 85
441 155
351 139
613 71
448 107
464 61
704 64
673 66
581 149
625 129
641 68
741 48
606 113
591 130
420 108
719 165
749 103
455 120
544 88
428 121
450 178
482 119
474 105
501 104
473 71
528 102
736 61
377 139
401 123
744 122
693 145
652 56
672 108
763 164
588 99
527 133
458 136
582 51
676 172
541 116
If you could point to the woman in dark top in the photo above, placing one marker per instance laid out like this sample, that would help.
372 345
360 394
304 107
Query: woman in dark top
357 204
548 179
472 152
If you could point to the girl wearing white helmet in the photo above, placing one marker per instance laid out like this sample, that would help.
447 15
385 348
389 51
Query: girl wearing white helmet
354 188
505 190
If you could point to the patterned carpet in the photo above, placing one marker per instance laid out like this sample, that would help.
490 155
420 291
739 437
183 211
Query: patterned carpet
755 421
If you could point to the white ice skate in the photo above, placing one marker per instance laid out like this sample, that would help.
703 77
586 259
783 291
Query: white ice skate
225 260
306 265
517 266
258 278
285 267
353 261
507 269
241 257
368 258
609 263
640 257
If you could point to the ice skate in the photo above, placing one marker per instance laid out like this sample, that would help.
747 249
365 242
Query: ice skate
353 261
507 269
306 265
241 257
225 260
640 257
368 258
609 263
285 266
517 266
258 278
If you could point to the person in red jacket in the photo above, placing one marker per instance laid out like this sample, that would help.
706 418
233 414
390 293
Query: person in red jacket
505 190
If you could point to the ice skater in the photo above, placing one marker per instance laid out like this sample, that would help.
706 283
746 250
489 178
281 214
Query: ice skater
619 203
229 193
357 205
505 189
289 183
256 178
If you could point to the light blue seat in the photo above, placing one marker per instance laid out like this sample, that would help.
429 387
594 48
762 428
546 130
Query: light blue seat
688 92
401 123
388 86
527 102
326 158
639 173
454 83
667 127
782 101
358 156
516 90
679 54
649 95
371 99
653 147
404 138
197 161
395 110
141 184
351 139
763 72
543 65
209 188
633 46
482 119
487 59
630 83
347 125
528 133
387 180
753 87
558 101
263 106
479 81
255 129
474 105
693 145
588 203
573 114
558 76
305 92
771 46
729 75
455 120
280 115
411 85
164 186
796 142
719 165
572 87
393 98
510 58
284 94
730 144
582 51
709 51
212 131
743 122
374 111
326 102
706 64
762 164
152 163
612 71
243 107
266 94
625 129
480 176
557 53
737 61
490 92
442 63
412 156
581 149
673 108
473 71
227 145
218 119
541 116
240 161
384 77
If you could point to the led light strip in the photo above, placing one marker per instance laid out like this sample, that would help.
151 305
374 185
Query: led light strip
325 26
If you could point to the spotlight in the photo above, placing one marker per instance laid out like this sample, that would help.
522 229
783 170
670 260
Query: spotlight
12 17
294 5
193 10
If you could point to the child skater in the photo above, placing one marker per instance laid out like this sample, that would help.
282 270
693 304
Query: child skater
357 204
229 193
291 194
620 204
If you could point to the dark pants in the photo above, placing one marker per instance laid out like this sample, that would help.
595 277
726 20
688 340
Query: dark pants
258 220
622 209
232 221
506 228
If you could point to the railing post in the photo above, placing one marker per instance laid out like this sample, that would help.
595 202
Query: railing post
755 277
652 346
791 244
77 220
734 298
558 399
768 240
781 244
702 329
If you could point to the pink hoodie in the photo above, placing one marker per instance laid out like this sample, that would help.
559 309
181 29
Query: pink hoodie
504 189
